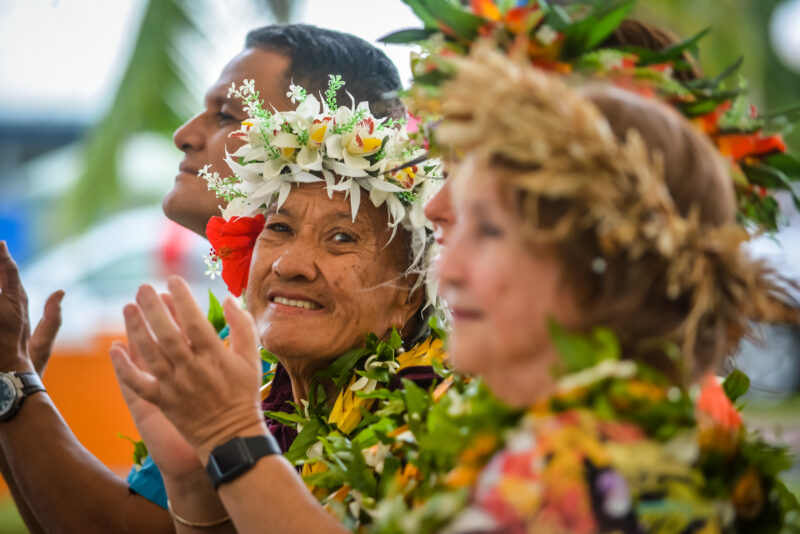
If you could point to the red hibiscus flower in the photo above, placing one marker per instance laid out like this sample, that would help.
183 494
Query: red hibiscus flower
233 243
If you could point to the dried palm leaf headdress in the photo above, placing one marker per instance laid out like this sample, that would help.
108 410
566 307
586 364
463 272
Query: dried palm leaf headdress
615 189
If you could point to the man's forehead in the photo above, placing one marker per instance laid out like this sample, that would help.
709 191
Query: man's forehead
265 67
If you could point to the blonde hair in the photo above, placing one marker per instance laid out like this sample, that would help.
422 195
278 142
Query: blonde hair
635 204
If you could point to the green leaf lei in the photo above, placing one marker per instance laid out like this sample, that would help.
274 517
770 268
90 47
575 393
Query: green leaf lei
409 464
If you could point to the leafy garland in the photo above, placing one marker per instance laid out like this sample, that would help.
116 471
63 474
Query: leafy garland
410 462
569 39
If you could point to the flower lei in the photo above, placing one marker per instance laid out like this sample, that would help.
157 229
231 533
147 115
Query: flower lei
330 427
411 463
344 146
570 40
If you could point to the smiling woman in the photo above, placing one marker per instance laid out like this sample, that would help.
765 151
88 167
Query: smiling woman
336 292
321 282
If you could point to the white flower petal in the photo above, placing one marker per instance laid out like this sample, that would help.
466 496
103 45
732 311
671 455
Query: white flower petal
286 140
359 384
330 181
355 162
286 187
333 146
355 199
309 108
309 159
344 170
383 185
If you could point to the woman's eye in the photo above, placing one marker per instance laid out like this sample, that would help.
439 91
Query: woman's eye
343 237
486 229
279 227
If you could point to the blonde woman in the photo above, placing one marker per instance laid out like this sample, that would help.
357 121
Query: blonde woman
591 213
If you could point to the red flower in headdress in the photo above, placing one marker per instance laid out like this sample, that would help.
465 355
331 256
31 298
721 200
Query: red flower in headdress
233 243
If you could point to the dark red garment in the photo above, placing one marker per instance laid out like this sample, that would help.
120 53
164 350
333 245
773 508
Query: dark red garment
281 394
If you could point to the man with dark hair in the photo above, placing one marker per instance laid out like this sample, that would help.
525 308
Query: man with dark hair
274 56
58 485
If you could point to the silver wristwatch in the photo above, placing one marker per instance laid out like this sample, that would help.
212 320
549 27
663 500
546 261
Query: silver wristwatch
14 388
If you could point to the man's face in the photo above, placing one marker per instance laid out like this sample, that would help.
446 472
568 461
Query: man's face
204 138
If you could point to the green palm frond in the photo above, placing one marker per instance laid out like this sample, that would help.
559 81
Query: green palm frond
155 95
144 101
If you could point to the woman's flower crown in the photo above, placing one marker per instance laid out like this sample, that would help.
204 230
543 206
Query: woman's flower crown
345 146
572 39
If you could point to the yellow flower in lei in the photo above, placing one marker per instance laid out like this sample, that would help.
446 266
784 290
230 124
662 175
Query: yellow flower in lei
349 407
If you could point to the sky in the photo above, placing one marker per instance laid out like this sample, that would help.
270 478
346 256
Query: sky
64 57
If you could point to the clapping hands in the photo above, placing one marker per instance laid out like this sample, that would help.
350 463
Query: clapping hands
19 349
186 390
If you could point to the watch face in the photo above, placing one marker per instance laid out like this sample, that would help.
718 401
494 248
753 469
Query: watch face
8 395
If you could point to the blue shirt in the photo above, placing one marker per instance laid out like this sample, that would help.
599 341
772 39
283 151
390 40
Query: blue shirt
147 481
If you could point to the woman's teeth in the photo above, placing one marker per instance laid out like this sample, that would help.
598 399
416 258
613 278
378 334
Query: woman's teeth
297 303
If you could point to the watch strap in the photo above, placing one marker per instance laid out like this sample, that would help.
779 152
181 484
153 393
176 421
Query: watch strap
235 457
25 383
31 382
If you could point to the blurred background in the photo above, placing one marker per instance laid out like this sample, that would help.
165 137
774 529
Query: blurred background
91 91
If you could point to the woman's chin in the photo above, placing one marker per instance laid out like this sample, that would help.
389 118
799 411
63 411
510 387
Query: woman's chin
467 356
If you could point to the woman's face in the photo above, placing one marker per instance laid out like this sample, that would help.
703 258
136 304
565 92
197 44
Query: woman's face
439 210
320 282
499 291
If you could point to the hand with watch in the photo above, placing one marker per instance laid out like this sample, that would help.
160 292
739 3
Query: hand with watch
23 356
209 393
14 388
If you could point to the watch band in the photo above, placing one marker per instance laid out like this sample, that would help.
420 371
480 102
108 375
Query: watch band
233 458
24 384
31 382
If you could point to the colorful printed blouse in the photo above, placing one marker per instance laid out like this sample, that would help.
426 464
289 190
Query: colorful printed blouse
578 471
619 448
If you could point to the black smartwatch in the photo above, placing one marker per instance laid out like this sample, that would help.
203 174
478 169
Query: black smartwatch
14 387
237 456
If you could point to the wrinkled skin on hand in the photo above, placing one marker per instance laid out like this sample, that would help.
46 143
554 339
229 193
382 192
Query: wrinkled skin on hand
175 362
18 348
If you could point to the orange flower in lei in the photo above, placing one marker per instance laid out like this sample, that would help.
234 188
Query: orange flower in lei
233 242
715 407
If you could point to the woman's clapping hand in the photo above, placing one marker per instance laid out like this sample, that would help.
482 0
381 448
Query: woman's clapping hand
175 364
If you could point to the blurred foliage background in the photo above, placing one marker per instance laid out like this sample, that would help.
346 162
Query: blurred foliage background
155 94
738 28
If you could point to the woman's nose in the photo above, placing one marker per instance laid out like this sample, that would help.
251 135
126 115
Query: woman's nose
190 137
439 210
451 265
296 262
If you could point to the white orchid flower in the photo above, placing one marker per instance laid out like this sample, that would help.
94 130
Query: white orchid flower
374 456
315 451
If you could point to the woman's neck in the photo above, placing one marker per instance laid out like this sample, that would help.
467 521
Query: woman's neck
523 383
301 372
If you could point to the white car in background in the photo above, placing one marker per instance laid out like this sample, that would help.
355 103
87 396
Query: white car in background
101 270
